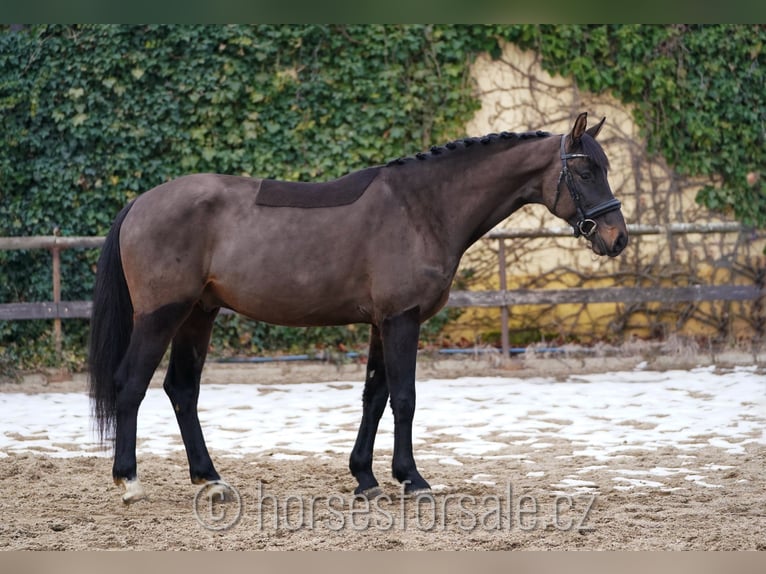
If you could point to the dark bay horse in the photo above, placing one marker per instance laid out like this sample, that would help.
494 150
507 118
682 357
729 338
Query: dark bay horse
379 246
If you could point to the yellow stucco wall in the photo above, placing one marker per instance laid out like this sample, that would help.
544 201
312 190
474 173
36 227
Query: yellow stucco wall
518 95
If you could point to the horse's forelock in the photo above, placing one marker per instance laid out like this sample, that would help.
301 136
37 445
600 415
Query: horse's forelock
593 149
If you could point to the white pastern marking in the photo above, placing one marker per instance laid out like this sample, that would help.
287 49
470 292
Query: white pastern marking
133 491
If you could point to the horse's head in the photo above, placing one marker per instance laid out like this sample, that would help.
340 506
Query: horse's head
582 195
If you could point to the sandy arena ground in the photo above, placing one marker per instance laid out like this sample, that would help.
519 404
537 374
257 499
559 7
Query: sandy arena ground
305 501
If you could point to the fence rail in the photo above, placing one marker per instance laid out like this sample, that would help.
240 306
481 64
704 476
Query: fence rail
604 295
502 298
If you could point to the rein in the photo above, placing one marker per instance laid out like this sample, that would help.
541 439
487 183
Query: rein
586 224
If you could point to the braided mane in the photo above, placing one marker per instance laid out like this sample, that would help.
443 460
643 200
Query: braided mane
465 143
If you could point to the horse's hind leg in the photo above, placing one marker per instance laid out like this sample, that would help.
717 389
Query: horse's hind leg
149 340
182 383
374 401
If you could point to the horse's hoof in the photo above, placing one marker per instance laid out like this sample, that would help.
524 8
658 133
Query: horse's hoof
369 493
418 492
219 491
415 487
133 491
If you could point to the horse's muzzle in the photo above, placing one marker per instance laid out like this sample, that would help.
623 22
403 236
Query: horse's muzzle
620 243
611 242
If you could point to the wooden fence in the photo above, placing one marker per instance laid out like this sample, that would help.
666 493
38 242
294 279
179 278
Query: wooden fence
58 310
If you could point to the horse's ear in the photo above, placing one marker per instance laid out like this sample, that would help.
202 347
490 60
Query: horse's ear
594 131
579 127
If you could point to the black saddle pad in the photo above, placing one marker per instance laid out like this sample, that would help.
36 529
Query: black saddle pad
342 191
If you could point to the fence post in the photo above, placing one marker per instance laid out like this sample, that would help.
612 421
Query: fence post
504 342
56 255
759 305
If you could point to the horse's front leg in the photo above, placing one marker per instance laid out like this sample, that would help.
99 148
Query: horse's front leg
374 401
400 335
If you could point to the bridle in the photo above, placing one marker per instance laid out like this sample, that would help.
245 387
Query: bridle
586 224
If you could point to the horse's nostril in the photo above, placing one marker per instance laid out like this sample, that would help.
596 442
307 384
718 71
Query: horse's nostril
620 243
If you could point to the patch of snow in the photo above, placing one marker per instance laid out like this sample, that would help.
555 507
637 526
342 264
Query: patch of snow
609 416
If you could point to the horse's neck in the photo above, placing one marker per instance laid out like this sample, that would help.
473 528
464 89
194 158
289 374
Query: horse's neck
474 190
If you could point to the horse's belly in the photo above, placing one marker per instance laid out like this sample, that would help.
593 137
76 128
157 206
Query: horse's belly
287 303
300 316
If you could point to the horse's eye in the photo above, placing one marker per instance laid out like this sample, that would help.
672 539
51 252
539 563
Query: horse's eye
586 175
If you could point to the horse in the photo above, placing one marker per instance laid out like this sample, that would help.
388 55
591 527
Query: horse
379 246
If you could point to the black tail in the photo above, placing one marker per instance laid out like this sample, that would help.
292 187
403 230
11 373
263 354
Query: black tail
111 325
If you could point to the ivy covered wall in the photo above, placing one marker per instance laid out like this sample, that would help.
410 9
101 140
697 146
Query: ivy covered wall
699 94
94 115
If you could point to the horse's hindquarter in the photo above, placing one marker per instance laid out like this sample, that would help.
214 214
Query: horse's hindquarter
203 238
166 238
